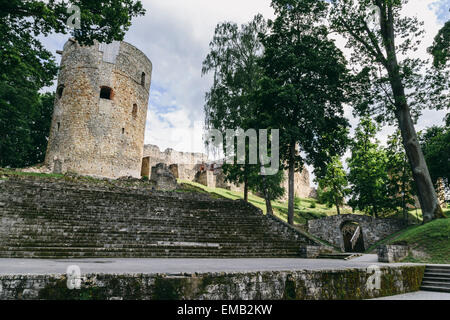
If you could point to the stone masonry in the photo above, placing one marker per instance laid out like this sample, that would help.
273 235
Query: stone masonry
81 218
373 230
344 284
197 168
98 124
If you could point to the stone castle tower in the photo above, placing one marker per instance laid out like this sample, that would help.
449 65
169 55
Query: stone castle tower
98 124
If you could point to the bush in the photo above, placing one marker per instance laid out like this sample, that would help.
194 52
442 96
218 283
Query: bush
313 205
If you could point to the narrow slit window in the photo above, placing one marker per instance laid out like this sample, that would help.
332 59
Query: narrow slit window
143 79
123 130
59 126
106 93
135 111
59 91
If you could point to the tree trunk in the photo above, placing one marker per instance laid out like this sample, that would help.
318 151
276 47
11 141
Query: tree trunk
268 205
427 194
337 208
266 195
246 189
291 185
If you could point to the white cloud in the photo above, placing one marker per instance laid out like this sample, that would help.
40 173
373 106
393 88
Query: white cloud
175 35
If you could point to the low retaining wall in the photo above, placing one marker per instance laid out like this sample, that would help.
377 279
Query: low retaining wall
287 285
391 253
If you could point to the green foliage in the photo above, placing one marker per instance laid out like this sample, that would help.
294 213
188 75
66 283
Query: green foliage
26 66
102 20
313 205
367 26
368 173
441 46
333 185
304 86
25 130
400 183
435 143
273 184
233 56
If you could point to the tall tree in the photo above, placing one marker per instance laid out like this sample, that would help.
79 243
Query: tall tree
378 35
26 66
303 87
233 56
367 166
334 184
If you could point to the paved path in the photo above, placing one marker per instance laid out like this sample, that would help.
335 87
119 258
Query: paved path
419 295
174 266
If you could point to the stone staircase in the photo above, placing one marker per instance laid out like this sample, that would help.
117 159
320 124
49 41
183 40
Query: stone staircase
54 218
436 278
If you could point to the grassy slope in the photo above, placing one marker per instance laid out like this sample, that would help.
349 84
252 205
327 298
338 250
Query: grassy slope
307 209
303 210
431 239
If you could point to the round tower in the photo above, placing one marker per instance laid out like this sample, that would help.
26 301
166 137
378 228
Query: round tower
98 124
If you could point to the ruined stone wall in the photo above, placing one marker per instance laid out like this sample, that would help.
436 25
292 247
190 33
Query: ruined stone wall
349 284
373 230
302 187
98 136
188 162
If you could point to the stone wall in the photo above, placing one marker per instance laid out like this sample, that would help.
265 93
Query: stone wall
188 163
94 131
278 285
302 187
82 218
392 253
373 230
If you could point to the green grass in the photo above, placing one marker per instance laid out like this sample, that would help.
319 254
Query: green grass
305 209
10 172
432 240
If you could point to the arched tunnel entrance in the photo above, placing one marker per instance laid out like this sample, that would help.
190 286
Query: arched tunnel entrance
352 236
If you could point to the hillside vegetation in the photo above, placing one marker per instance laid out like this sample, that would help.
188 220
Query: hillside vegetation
430 243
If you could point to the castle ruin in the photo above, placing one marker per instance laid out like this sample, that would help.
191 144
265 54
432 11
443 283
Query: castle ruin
100 113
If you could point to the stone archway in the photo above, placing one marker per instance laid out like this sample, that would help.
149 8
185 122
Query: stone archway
352 237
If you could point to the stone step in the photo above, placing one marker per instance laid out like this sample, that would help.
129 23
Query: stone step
435 289
435 283
45 218
437 274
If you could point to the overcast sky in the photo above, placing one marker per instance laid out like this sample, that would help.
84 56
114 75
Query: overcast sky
175 35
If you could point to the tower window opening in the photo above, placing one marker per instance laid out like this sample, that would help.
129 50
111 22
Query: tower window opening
143 79
123 130
59 91
59 125
135 110
106 93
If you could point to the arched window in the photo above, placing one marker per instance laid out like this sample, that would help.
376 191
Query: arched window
59 91
106 93
135 111
143 79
